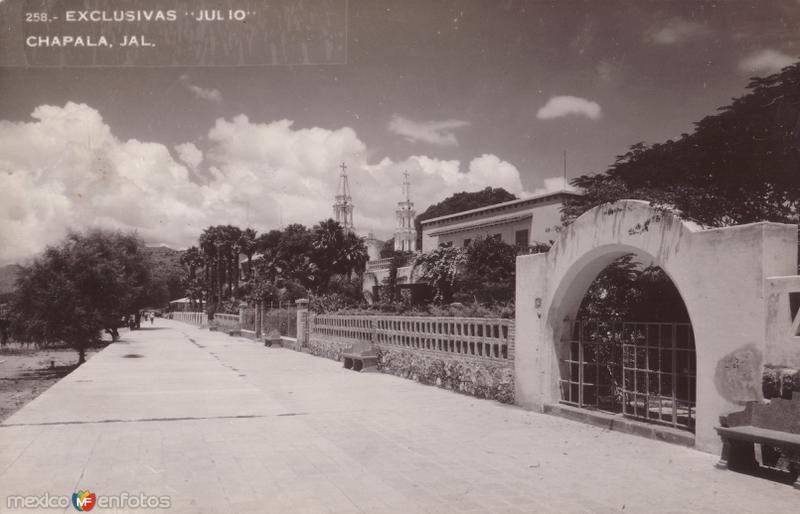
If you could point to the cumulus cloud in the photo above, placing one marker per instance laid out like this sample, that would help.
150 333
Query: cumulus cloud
439 133
432 180
676 31
553 184
211 95
190 154
65 169
765 61
562 106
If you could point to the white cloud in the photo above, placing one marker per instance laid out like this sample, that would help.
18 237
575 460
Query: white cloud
766 61
676 31
562 106
65 170
432 180
552 184
439 133
212 95
190 154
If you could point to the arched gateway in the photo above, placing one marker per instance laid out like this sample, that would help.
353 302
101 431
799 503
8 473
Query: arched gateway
721 274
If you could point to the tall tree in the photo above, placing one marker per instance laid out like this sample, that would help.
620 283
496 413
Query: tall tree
247 245
740 165
80 287
194 284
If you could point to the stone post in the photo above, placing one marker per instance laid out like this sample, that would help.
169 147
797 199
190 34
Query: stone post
258 316
302 323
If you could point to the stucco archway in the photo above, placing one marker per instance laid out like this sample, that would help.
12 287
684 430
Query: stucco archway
719 273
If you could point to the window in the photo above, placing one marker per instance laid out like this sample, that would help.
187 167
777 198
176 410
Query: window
467 242
521 237
497 237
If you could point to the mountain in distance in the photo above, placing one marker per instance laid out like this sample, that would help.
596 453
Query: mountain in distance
167 271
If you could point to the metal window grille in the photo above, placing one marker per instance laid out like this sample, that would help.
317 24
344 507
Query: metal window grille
644 370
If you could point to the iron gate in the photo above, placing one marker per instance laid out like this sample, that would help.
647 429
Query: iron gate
644 370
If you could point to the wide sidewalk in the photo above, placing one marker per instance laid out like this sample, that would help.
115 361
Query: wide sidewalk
222 424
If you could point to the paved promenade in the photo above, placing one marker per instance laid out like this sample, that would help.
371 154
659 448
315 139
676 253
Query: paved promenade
222 424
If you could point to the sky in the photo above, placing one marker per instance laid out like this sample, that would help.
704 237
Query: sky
463 94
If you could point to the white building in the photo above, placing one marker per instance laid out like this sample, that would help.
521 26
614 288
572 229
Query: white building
524 222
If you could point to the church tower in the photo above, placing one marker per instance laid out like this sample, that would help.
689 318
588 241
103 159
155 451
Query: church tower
343 208
405 235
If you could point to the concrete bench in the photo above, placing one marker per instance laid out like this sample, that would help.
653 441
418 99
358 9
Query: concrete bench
776 425
360 357
272 339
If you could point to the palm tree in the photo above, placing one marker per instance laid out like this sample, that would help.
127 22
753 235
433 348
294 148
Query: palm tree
247 245
353 255
193 259
209 247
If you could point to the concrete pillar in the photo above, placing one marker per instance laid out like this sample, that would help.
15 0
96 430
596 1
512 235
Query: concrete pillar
302 323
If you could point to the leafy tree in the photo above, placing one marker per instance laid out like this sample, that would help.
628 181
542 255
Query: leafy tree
387 250
293 256
740 165
79 288
440 268
461 202
390 291
488 274
336 252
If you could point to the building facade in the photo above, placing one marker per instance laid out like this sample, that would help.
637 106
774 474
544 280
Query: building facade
530 221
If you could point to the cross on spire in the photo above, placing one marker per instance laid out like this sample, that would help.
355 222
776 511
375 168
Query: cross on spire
343 208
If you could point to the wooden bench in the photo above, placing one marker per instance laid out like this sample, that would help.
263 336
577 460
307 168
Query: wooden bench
360 357
775 424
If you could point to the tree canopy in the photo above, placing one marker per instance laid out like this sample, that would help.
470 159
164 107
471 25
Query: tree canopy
740 165
80 287
282 265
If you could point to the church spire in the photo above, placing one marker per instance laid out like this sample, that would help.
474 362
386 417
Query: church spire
405 235
406 187
343 208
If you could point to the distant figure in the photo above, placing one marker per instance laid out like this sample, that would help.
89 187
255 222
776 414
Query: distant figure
152 318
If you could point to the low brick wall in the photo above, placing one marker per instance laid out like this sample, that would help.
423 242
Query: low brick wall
474 356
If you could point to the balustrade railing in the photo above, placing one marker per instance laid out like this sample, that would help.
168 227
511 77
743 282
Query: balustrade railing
195 318
227 320
474 337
